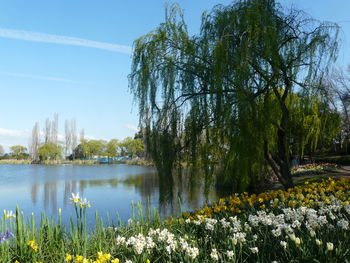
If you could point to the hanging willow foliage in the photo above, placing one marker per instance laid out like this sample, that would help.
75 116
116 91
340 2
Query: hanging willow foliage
222 100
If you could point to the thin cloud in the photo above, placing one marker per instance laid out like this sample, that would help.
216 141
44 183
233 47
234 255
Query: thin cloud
14 133
64 40
132 127
30 76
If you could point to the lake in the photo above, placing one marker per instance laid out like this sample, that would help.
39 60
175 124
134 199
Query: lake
110 189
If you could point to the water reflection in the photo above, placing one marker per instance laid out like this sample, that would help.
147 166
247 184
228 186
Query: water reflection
110 189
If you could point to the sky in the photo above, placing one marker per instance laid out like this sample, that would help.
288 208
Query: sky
73 58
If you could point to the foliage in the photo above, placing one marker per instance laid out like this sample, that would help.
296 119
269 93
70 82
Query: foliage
18 151
308 223
223 99
90 148
50 151
2 151
314 126
112 148
131 147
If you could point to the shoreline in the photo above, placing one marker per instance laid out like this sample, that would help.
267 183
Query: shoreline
140 162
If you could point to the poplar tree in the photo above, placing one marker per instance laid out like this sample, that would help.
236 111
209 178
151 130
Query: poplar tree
34 143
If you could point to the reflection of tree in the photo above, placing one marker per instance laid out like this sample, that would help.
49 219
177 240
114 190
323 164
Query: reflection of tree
50 196
34 193
164 195
69 188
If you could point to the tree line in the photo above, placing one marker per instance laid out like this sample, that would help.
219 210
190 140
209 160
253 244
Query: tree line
71 147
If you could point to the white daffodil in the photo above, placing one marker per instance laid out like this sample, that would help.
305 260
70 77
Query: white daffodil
75 198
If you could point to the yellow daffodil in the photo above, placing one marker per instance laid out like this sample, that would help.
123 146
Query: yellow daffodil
68 257
32 244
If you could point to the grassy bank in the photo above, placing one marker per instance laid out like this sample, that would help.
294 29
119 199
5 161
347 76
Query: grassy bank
73 162
50 162
14 161
309 223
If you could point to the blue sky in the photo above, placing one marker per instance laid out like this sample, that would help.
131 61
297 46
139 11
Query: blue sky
73 58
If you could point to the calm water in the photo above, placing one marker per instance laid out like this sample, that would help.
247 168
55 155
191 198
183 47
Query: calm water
110 189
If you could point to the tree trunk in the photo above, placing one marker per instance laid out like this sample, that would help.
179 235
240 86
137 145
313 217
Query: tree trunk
280 167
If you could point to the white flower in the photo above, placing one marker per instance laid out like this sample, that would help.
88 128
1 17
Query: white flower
209 226
9 214
318 242
284 244
75 198
120 240
84 203
214 254
343 224
312 233
230 253
297 240
254 250
330 246
234 241
192 252
128 261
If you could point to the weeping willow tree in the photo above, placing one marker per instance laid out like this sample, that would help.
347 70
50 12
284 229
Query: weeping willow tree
221 100
314 126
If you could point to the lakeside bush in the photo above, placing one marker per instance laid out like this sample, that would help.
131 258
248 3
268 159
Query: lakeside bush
308 223
139 161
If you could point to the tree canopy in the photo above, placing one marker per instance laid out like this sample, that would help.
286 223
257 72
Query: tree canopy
18 151
50 151
224 99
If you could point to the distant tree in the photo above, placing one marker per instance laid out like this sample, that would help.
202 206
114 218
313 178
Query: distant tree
131 147
338 82
82 150
18 151
82 135
47 131
112 148
68 137
54 129
97 147
2 151
34 143
50 151
74 136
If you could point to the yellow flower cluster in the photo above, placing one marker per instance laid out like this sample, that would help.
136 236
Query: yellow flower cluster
308 195
101 258
33 245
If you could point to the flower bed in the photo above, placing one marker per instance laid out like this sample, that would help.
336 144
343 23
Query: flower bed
308 223
313 168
